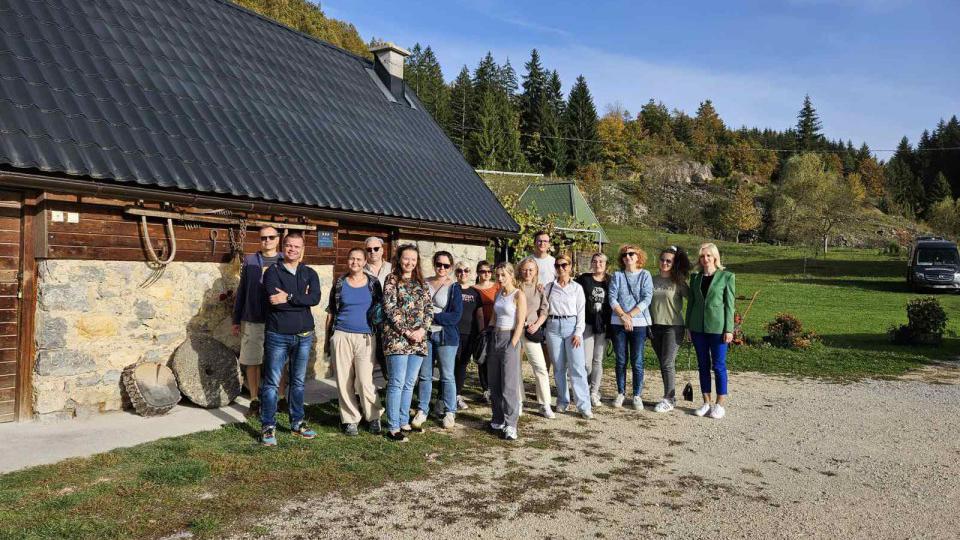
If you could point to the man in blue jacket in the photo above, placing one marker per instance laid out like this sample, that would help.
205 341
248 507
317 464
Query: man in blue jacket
292 289
250 310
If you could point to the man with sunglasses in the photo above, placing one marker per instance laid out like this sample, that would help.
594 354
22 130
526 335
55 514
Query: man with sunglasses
249 310
376 266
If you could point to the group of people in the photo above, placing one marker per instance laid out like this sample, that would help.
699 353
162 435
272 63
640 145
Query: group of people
391 316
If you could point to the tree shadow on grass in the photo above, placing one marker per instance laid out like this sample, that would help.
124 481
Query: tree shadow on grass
881 343
821 267
865 284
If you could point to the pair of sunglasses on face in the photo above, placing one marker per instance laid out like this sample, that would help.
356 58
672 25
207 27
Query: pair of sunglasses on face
373 249
463 271
442 266
561 266
268 238
630 254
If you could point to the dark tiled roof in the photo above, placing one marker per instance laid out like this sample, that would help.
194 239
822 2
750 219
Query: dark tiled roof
204 96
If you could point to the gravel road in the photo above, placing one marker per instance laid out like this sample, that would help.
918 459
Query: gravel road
793 458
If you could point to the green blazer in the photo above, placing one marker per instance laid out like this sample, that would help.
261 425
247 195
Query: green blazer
713 314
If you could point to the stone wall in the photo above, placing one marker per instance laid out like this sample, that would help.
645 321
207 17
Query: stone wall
469 253
93 320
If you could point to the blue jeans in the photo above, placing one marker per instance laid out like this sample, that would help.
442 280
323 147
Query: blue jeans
402 371
711 352
568 359
446 357
620 345
277 349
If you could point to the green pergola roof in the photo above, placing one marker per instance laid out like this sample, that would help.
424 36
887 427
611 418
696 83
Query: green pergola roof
562 198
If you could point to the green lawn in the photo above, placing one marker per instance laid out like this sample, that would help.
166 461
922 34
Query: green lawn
849 298
205 482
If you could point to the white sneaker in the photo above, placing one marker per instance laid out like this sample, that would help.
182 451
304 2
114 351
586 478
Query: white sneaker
703 410
449 420
595 400
637 403
664 406
496 427
462 404
618 401
510 433
717 412
419 419
587 415
486 396
548 412
562 408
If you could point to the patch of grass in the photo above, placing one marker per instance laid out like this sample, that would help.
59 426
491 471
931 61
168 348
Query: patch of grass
850 297
207 482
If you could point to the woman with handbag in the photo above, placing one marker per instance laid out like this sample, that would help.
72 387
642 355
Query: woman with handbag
488 289
447 305
666 310
596 284
710 323
631 290
503 360
409 314
353 318
534 333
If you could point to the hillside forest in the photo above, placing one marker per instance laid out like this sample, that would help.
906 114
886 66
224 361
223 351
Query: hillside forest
667 168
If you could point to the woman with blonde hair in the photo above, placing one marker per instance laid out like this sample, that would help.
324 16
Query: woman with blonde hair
503 360
565 325
468 327
710 323
631 290
534 333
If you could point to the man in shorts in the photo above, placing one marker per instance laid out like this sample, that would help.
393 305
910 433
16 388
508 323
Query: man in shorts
250 311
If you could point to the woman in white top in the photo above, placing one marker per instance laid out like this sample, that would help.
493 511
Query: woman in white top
565 325
503 360
631 291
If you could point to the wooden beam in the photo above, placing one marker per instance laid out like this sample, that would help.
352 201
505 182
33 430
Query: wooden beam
28 308
184 216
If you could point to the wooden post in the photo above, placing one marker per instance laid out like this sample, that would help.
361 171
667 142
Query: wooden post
28 307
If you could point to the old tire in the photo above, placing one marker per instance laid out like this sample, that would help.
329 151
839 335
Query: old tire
151 388
208 372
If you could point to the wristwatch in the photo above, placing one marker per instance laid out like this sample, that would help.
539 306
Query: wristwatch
289 296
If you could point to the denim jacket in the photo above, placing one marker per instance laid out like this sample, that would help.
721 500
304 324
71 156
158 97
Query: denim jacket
628 293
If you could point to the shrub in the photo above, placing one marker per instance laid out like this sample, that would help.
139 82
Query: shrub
786 331
892 249
927 321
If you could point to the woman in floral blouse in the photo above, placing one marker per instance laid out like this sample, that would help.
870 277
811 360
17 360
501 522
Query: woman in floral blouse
408 311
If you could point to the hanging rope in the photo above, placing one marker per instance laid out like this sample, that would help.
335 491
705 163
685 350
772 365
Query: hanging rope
150 251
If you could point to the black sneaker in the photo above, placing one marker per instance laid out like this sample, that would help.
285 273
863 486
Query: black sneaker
375 427
254 410
350 430
396 437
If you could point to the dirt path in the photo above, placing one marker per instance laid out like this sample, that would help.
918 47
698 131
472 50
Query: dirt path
792 458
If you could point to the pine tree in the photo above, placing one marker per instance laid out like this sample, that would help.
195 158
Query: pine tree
580 126
708 133
533 96
808 127
938 190
425 77
485 138
461 99
554 159
555 94
508 79
903 185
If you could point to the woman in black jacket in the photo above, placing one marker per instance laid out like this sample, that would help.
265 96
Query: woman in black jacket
596 284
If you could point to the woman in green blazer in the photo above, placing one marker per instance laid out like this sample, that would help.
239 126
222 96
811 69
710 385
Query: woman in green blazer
710 322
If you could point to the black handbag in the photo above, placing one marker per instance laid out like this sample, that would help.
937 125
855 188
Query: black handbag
537 337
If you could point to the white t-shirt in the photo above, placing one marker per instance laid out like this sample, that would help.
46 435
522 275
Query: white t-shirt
546 273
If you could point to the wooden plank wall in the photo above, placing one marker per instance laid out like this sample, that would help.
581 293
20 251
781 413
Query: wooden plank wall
106 233
10 247
349 238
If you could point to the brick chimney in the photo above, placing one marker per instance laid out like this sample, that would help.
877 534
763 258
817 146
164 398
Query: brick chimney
388 65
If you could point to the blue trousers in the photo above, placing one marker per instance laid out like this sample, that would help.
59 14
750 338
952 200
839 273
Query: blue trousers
402 372
445 356
711 353
568 359
278 349
629 342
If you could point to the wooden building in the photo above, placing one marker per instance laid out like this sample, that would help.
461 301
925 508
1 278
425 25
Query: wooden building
125 125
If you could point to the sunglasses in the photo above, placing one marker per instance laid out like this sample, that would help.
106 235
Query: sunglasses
630 254
668 261
463 271
485 272
442 266
373 249
543 241
561 265
268 238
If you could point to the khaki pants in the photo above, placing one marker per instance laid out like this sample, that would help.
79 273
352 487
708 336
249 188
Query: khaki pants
534 353
353 360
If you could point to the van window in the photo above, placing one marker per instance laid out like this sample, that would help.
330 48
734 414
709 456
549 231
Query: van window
931 256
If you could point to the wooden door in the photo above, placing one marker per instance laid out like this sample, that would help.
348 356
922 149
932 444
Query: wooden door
11 244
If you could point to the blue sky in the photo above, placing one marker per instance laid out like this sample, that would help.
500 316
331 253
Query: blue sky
875 69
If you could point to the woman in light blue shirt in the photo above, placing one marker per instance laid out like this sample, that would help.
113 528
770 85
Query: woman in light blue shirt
631 290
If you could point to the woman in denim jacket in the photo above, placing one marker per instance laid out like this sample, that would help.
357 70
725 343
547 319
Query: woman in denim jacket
631 290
